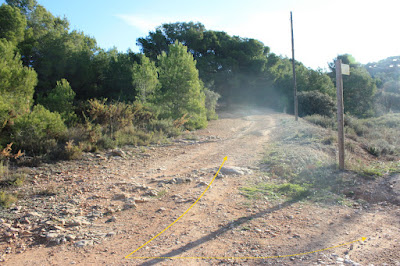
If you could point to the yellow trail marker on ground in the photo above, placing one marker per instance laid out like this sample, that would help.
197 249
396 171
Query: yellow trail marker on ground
154 237
222 258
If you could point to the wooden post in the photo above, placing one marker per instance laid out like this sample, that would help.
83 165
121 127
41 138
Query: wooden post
296 105
340 110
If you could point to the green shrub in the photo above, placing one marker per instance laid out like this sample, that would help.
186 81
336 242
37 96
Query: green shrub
6 200
390 101
323 121
61 100
144 114
211 103
388 120
105 142
182 90
356 124
379 147
315 102
39 131
293 191
12 179
17 84
71 151
132 136
166 126
329 140
112 116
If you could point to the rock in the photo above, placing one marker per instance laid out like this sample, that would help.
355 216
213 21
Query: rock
141 200
70 211
118 152
202 183
235 170
77 221
111 234
84 243
26 233
152 193
70 237
51 236
13 230
5 225
162 209
34 214
121 196
25 220
95 214
130 205
339 259
58 228
112 219
16 209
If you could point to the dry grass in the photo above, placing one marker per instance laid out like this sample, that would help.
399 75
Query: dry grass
304 154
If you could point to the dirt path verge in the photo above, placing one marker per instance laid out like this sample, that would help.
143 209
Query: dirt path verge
98 210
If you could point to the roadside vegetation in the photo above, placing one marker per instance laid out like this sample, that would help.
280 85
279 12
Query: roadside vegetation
62 95
302 164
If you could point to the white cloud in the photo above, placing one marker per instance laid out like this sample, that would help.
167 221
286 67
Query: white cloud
138 22
149 23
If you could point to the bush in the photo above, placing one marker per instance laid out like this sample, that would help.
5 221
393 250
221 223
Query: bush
315 102
61 100
357 125
380 147
182 90
388 120
131 136
211 103
17 84
144 114
39 131
6 200
71 151
167 126
105 142
118 115
322 121
112 116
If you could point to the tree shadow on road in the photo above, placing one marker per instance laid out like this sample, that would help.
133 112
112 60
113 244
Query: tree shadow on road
222 230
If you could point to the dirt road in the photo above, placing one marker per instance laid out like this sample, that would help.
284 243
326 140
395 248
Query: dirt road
161 182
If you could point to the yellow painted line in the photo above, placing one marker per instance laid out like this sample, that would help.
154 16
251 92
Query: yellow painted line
250 258
226 158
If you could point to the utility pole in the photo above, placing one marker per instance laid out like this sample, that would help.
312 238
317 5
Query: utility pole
296 105
340 110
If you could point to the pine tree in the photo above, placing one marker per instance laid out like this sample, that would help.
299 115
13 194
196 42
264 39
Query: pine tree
182 92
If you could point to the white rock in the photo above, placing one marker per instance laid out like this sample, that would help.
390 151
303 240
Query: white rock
118 152
111 234
84 243
233 170
51 236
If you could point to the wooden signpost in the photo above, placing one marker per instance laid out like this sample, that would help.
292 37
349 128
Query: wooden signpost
341 69
296 105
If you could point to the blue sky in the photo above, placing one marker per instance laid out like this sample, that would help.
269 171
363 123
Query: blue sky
367 29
